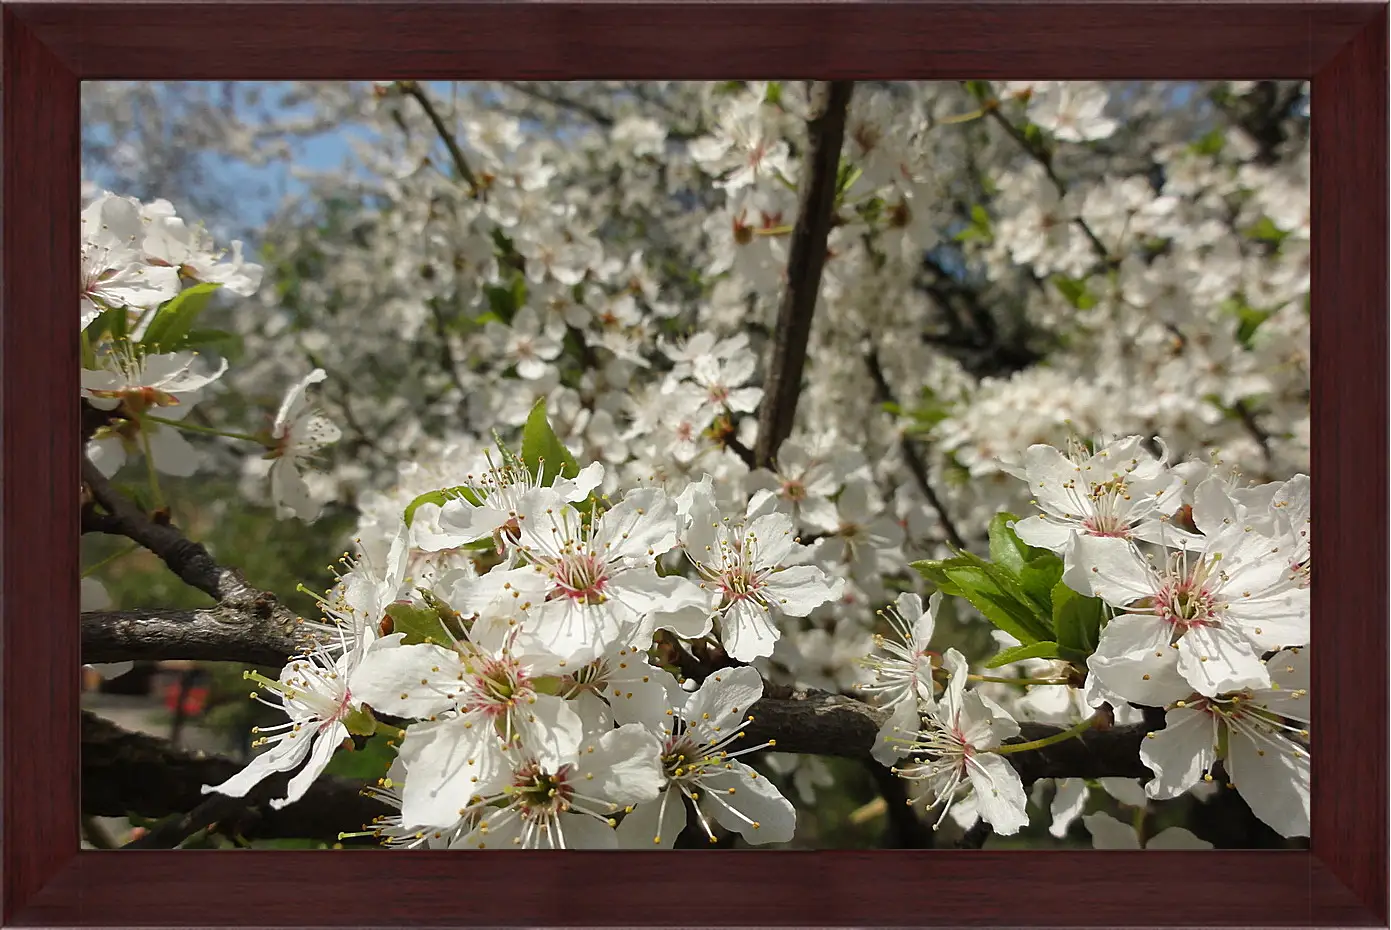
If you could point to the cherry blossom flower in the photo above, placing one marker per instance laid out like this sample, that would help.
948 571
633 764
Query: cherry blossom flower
1204 616
569 804
903 680
698 764
1261 736
953 754
299 432
747 568
114 272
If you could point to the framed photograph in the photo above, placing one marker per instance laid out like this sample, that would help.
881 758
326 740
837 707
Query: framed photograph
749 464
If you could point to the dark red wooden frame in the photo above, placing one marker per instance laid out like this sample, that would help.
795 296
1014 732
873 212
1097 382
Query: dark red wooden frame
49 47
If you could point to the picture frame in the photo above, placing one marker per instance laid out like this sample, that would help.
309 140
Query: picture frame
50 47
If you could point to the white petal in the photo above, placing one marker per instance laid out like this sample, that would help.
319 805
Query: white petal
999 793
726 697
799 590
1176 838
326 742
1215 661
283 756
1118 573
447 763
1272 777
891 742
1181 753
654 825
1109 833
744 801
392 677
747 632
551 730
1069 800
625 764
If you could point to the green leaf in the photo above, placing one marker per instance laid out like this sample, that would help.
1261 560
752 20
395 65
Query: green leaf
441 497
1210 144
542 451
360 722
418 623
1077 619
112 322
989 591
1040 576
1036 570
773 94
172 323
1266 230
1007 549
1013 654
1074 291
228 345
503 302
935 574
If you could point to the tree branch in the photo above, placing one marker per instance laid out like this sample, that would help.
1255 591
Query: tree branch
820 167
222 633
1045 161
413 89
127 773
910 453
185 558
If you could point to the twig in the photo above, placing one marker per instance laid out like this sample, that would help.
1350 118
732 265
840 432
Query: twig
413 89
732 443
1045 160
820 167
884 394
1253 426
801 721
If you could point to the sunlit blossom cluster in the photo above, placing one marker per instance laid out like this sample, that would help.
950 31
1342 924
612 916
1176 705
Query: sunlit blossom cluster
1063 320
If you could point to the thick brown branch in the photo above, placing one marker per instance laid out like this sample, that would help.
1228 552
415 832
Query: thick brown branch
821 723
820 167
130 773
800 721
212 634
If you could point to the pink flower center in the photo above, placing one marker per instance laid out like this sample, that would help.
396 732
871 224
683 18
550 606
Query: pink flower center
582 577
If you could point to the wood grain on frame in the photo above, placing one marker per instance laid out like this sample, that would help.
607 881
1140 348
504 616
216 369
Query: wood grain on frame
49 47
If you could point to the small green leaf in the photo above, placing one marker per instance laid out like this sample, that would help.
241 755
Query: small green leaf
1006 549
418 623
989 591
112 323
1019 653
441 497
360 722
1210 144
168 331
1266 230
544 454
1074 291
1077 619
228 345
935 574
